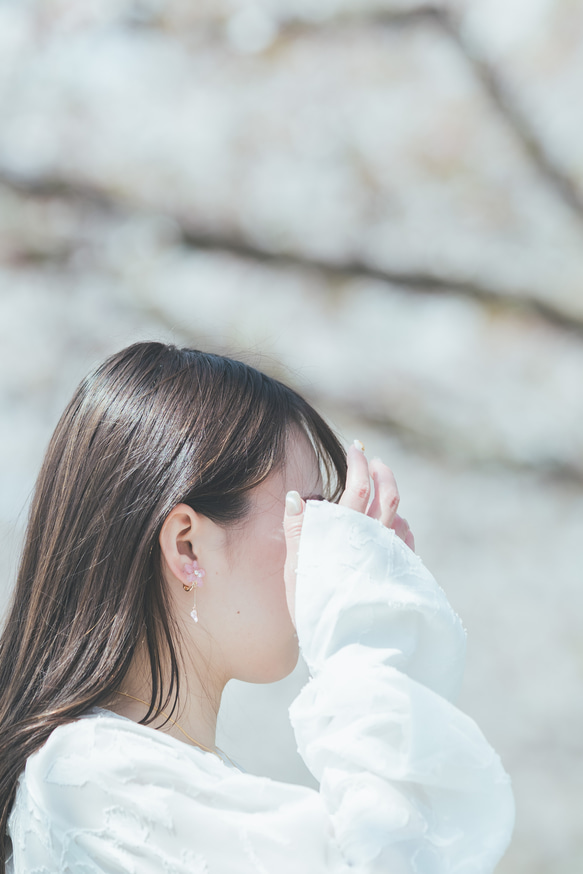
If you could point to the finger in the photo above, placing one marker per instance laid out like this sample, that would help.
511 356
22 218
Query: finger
357 493
292 527
401 528
386 498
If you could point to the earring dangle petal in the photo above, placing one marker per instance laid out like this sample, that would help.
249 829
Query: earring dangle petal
194 575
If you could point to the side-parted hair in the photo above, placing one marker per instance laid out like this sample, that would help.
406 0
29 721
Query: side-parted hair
152 427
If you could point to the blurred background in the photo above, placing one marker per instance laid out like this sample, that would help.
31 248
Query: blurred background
380 202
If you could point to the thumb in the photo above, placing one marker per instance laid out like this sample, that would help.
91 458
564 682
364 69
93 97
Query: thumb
292 526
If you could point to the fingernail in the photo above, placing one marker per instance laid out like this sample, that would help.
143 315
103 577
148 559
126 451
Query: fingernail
359 445
293 504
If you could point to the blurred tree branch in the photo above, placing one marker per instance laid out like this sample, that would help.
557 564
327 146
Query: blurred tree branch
491 79
509 107
442 16
414 281
443 445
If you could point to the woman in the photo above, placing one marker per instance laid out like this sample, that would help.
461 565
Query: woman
153 572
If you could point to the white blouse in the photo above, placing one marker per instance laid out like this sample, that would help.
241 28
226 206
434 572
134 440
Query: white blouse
408 783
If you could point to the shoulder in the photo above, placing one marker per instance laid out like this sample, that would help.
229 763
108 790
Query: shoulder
106 779
105 794
104 755
105 749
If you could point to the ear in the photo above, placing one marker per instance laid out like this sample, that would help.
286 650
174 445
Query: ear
178 537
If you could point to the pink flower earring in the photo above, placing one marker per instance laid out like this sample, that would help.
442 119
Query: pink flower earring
194 575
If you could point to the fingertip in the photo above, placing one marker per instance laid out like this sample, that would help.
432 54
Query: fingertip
294 506
357 450
353 452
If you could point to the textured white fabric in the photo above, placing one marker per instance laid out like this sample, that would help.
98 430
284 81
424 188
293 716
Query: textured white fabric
408 784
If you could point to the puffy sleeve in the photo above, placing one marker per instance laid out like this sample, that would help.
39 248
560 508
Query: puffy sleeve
408 784
409 781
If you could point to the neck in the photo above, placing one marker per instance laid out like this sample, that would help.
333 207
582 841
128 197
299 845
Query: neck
196 712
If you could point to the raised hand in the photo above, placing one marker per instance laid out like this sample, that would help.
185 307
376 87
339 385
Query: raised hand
356 496
385 502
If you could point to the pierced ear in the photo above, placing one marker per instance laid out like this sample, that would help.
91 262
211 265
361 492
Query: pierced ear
177 539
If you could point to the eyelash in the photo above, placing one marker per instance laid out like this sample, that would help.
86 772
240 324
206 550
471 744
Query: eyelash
314 498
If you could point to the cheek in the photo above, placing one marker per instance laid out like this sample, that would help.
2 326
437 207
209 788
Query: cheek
269 559
265 561
275 630
266 542
265 641
275 547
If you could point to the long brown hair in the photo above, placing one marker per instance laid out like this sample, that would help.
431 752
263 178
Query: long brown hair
152 427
